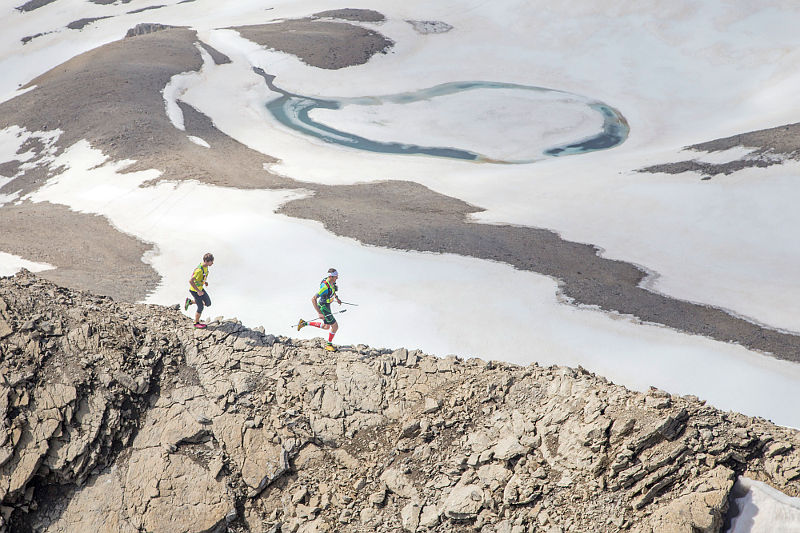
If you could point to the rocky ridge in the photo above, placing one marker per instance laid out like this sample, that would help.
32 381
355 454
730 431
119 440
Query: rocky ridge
117 417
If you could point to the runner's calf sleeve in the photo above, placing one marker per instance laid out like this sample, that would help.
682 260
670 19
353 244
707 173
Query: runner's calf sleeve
330 336
315 324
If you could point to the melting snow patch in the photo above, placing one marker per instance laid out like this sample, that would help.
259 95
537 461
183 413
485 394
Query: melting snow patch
725 156
177 86
11 264
763 509
198 140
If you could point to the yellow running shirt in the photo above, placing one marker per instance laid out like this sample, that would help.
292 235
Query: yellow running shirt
199 276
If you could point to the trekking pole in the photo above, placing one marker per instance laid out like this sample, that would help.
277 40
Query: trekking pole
348 303
316 318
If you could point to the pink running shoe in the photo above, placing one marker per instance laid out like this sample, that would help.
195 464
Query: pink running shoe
199 325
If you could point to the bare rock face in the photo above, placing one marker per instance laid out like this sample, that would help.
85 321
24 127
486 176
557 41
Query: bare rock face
145 27
123 418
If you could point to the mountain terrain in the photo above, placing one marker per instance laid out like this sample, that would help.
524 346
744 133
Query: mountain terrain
122 417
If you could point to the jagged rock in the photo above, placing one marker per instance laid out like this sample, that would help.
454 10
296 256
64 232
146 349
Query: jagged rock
378 497
508 448
702 511
463 502
144 28
262 461
5 328
429 517
431 405
410 516
521 490
135 421
410 429
494 475
399 483
159 493
369 517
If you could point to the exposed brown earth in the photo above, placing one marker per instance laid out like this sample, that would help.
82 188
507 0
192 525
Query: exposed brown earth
9 168
82 23
319 43
770 147
148 8
109 263
356 15
34 4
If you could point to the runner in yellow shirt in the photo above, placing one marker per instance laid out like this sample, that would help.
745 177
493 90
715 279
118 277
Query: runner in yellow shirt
197 284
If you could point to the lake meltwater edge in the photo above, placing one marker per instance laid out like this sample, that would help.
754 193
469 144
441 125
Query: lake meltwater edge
544 122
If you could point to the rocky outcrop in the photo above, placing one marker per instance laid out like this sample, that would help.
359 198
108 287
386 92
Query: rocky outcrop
123 418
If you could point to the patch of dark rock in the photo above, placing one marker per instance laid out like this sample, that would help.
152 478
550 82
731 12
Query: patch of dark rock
146 27
319 43
107 2
218 57
34 4
240 166
770 147
425 27
19 522
779 140
148 8
31 144
49 498
356 15
187 375
708 169
10 168
120 111
82 23
29 38
197 452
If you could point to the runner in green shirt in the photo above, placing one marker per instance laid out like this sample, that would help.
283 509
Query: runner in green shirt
322 305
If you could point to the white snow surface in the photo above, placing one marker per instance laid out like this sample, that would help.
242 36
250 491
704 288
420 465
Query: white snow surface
11 264
681 72
551 119
764 509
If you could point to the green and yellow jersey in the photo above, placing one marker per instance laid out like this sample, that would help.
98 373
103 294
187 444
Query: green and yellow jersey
199 277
